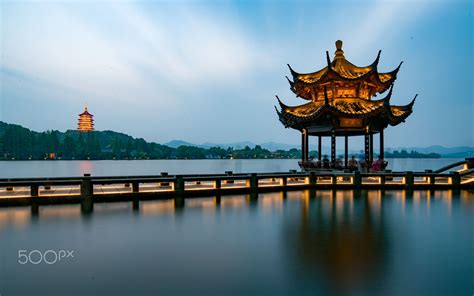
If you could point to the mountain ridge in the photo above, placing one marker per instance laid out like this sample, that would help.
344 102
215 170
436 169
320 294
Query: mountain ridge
108 137
447 152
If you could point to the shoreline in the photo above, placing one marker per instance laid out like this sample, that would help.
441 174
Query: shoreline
296 159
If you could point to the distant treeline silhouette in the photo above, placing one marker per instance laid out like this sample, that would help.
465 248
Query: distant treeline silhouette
411 154
19 143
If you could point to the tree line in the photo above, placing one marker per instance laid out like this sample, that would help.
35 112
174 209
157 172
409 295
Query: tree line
411 154
19 143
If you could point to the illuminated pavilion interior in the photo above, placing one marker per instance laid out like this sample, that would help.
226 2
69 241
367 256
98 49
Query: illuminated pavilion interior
86 121
340 104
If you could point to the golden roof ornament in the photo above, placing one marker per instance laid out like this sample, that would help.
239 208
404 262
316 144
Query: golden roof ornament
339 52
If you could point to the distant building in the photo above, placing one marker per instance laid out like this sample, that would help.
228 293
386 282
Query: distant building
86 121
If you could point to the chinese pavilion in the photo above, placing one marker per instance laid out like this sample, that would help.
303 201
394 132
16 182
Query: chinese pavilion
86 121
340 104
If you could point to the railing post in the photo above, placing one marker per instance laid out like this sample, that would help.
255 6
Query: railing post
334 180
284 181
229 173
162 184
430 177
253 182
409 179
312 179
34 190
456 179
179 192
217 183
87 188
382 179
179 185
135 187
357 179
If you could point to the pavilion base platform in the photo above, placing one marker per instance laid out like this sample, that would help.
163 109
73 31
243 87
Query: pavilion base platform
315 166
321 167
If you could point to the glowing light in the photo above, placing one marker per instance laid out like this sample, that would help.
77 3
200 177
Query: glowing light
86 121
468 181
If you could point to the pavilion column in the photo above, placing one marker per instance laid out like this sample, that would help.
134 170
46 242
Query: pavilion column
319 148
382 154
346 153
333 148
304 145
307 144
366 147
371 147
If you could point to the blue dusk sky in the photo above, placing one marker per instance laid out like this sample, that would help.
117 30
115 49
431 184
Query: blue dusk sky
208 71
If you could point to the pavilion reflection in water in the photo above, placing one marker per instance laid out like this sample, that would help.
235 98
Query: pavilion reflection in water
340 236
345 238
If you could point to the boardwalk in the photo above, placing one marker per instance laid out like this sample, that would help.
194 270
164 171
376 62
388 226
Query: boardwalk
113 188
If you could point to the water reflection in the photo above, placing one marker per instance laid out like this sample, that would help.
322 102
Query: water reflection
467 199
298 242
339 241
337 206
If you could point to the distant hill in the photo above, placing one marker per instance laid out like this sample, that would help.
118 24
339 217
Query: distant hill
272 146
464 154
177 143
235 145
446 152
207 145
17 142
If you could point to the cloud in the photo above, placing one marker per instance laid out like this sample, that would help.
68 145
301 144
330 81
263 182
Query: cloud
48 42
155 51
192 46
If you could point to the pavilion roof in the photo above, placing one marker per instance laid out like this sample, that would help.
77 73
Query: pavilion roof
314 112
340 69
86 112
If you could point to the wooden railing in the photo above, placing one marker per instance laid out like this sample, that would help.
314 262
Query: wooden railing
467 164
73 189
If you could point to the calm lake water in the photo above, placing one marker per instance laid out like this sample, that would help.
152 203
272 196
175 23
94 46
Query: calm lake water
320 242
57 168
301 243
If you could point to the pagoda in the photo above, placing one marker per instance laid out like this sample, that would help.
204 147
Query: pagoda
341 104
86 121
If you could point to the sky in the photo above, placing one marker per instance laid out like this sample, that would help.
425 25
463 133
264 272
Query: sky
208 71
